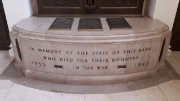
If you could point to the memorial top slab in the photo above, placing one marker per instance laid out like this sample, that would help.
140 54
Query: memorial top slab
39 26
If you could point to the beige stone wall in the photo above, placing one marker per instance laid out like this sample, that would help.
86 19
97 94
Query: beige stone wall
164 10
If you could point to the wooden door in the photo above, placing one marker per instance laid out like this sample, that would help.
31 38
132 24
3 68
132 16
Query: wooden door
89 7
175 41
4 32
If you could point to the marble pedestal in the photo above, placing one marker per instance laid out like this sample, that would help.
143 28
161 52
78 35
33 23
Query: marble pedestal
89 57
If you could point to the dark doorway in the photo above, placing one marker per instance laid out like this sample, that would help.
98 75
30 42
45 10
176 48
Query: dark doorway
175 41
4 31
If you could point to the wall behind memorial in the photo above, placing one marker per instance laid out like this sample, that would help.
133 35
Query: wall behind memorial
164 10
16 10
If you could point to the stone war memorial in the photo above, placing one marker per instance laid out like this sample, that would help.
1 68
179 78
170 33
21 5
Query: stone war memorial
89 42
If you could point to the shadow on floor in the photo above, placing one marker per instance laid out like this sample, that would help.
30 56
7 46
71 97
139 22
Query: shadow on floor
160 77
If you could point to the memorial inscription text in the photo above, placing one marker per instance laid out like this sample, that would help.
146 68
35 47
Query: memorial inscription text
69 57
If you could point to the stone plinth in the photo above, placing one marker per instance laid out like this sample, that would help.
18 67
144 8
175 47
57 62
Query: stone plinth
89 57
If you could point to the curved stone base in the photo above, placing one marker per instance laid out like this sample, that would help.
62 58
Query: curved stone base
90 57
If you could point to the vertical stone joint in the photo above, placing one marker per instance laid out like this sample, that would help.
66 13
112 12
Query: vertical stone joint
18 50
162 49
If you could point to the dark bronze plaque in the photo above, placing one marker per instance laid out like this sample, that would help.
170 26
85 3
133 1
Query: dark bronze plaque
62 23
90 24
117 23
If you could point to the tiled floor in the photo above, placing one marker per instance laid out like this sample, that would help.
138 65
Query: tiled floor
174 61
5 60
163 87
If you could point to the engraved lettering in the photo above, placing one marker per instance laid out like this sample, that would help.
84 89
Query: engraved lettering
82 60
38 64
89 59
31 48
102 67
144 49
69 52
124 59
142 64
76 67
49 51
49 58
65 60
87 67
116 52
82 53
100 53
99 60
129 51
